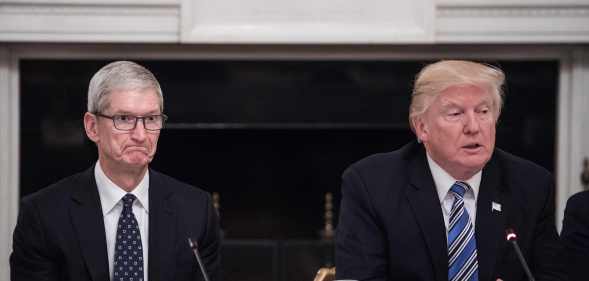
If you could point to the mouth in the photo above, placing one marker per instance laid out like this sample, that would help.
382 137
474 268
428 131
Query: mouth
472 146
136 148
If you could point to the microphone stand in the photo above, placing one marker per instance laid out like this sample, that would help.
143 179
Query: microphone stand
194 246
512 237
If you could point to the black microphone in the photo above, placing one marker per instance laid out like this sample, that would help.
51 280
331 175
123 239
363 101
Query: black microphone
512 237
194 246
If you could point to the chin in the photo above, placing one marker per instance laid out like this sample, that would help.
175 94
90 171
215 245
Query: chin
137 162
137 158
476 165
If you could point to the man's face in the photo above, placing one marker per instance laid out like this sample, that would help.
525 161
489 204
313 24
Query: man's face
125 149
458 130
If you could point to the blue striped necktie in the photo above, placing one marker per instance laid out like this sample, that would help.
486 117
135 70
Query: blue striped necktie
462 244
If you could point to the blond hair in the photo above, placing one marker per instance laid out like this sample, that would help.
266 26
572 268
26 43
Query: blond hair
439 76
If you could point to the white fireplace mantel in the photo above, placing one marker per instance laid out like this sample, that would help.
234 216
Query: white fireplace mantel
295 22
573 100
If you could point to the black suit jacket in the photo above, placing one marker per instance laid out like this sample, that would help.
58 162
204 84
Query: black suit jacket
391 225
60 232
575 236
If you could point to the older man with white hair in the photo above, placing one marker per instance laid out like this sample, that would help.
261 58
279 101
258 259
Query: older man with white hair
119 220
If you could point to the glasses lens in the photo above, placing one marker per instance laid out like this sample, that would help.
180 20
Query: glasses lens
124 122
154 122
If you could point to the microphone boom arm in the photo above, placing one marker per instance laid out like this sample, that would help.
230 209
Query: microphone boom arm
512 237
194 246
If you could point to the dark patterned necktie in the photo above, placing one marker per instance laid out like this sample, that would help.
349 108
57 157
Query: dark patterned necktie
128 261
462 244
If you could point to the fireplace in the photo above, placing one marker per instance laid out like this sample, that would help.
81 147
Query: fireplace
270 136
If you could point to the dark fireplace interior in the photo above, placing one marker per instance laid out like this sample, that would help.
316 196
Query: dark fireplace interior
270 136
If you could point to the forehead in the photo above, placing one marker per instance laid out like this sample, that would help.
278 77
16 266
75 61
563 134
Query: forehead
464 95
137 101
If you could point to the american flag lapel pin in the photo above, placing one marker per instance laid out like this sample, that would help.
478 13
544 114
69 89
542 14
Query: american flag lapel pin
495 207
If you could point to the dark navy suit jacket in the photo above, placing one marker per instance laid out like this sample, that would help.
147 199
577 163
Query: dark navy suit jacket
575 236
60 232
391 225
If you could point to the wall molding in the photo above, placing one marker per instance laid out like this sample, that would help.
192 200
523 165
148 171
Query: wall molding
80 21
464 23
471 11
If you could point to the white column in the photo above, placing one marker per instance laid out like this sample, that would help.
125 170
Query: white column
9 151
573 127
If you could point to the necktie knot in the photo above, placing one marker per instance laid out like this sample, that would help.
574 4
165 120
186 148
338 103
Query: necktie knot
459 188
128 200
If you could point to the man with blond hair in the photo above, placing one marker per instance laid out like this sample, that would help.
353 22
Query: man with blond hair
438 208
119 220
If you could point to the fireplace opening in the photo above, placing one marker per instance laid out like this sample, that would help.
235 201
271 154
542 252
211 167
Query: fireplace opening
270 136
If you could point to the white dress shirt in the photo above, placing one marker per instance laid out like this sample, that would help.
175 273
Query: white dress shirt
112 205
444 182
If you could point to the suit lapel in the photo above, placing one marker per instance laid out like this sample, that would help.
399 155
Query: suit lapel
424 201
88 222
492 209
162 227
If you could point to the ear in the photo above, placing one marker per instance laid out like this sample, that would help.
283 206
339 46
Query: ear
91 126
421 128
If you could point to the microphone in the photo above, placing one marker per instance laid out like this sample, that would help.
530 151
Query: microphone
194 246
512 237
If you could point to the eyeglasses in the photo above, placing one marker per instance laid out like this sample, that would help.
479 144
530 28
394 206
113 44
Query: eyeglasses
129 122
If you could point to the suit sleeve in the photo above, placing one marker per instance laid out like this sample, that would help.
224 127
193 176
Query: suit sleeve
575 236
30 258
361 247
210 243
547 249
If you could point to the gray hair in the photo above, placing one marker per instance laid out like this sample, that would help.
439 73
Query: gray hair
439 76
120 75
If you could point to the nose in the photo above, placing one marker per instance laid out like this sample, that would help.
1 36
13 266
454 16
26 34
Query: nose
139 133
471 123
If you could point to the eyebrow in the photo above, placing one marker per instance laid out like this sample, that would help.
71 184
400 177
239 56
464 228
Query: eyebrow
450 104
123 112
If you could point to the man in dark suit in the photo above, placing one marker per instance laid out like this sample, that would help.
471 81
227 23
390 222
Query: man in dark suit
439 210
118 220
575 236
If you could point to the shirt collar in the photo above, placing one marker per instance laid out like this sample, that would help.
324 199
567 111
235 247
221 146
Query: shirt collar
110 194
444 181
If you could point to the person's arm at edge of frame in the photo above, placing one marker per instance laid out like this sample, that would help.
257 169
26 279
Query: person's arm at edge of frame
575 237
547 248
360 242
